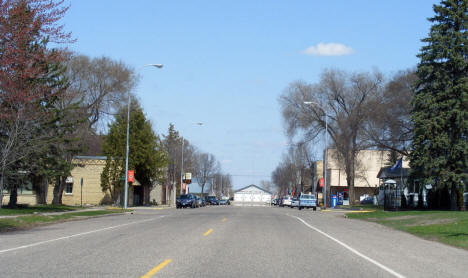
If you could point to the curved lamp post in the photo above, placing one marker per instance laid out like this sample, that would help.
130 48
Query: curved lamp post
128 133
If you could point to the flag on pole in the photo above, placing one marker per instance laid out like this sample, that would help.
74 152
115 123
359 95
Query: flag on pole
398 165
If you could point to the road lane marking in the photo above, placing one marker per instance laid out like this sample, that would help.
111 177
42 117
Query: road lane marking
223 220
156 269
76 235
394 273
208 232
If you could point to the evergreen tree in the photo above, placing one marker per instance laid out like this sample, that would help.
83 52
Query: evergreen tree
146 156
440 105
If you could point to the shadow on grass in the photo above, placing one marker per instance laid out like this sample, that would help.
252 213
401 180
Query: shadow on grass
24 209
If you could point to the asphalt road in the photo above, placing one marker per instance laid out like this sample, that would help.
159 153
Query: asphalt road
225 242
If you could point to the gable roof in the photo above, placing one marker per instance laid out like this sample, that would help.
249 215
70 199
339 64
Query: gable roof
252 185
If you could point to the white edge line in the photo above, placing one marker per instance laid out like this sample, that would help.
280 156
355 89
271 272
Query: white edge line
396 274
75 235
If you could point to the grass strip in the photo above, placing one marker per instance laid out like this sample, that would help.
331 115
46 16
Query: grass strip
449 227
36 209
23 222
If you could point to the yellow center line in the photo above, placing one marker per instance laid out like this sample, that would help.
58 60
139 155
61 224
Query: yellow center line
223 220
208 232
156 269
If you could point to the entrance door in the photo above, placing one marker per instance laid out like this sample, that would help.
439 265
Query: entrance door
163 195
138 195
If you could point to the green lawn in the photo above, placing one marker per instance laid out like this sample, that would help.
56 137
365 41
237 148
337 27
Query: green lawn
28 221
362 207
449 227
38 209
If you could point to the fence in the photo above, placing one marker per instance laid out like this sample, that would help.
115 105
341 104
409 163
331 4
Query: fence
392 197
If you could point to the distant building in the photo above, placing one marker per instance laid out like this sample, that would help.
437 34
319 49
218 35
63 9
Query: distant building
252 194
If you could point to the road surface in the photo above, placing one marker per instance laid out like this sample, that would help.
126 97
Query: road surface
225 242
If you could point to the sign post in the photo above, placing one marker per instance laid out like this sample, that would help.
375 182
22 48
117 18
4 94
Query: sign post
81 201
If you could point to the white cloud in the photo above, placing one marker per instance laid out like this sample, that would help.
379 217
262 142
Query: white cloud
328 49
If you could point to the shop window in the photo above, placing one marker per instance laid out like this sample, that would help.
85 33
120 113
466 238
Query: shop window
68 188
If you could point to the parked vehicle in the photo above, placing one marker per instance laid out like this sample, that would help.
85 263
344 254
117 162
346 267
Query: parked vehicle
186 200
294 202
224 202
307 201
200 201
370 200
211 200
277 201
286 201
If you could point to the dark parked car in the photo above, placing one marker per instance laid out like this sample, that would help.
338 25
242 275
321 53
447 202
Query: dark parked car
211 200
367 200
187 200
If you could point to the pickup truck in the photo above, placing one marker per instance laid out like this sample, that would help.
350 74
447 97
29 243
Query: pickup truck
307 201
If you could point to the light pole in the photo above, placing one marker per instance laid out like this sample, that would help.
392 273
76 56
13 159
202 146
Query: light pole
128 134
326 152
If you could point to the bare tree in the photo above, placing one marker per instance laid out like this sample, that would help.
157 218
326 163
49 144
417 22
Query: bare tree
389 126
283 177
102 85
265 185
346 100
205 168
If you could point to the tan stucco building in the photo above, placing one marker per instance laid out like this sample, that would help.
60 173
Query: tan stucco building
89 169
368 166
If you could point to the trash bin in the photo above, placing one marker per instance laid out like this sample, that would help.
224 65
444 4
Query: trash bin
334 201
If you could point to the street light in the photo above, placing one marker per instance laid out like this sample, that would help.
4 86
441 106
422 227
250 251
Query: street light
326 152
128 134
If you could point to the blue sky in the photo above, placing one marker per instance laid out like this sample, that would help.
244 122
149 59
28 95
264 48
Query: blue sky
226 62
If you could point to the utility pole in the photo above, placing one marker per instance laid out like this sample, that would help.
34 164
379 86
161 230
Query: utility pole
181 168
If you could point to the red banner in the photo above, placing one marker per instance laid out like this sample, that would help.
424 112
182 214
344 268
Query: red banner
321 182
131 175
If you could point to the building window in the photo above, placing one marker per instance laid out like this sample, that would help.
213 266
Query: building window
68 188
25 189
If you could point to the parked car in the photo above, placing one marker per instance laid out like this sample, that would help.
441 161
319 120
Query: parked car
369 200
200 201
276 202
307 201
211 200
224 202
186 200
286 201
294 202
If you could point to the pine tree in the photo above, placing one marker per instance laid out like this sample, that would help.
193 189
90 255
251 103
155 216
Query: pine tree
440 105
146 155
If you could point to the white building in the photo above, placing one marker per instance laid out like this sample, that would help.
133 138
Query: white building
252 194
